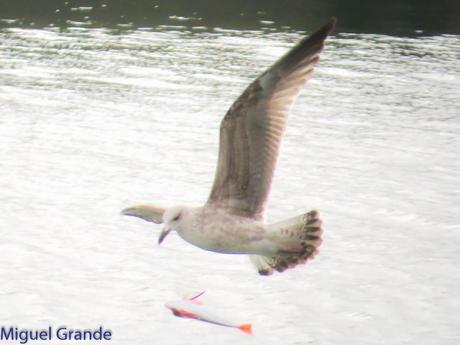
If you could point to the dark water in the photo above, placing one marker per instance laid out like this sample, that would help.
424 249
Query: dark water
404 17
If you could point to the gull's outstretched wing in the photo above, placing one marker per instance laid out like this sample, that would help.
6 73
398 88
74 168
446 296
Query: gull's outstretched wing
252 130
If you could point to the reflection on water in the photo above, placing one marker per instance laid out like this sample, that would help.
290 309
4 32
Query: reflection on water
93 121
399 17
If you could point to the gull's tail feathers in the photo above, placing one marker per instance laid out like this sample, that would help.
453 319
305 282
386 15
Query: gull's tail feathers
298 240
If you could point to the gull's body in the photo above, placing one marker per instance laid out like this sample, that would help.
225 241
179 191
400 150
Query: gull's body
250 137
214 229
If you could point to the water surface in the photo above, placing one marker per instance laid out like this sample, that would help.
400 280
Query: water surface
94 120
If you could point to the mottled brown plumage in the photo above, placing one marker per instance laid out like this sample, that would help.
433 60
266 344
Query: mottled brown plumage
252 130
306 229
250 137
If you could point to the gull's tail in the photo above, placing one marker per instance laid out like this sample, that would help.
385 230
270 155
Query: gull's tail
298 240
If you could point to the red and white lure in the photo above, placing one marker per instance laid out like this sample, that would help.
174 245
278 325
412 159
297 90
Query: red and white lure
191 308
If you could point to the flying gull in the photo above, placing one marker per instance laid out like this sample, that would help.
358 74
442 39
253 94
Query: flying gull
232 220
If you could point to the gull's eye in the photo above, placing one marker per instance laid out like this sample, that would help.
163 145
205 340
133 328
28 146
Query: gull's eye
176 218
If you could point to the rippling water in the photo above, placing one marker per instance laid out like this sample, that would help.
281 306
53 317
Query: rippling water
94 120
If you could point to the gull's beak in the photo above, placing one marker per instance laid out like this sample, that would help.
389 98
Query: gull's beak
163 234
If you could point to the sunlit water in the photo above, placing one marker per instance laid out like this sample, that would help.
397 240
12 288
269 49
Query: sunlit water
92 121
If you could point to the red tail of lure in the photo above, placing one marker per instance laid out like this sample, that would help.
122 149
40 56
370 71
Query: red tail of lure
246 328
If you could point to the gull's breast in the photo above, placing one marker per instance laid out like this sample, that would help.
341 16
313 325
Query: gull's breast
218 231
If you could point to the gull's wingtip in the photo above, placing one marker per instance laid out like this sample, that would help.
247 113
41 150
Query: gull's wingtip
332 23
327 28
127 211
150 213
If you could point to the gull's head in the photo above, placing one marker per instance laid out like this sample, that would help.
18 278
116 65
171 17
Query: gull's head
172 218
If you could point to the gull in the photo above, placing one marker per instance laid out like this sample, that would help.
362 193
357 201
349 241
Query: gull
232 219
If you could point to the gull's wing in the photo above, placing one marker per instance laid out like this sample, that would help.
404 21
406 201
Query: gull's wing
252 130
